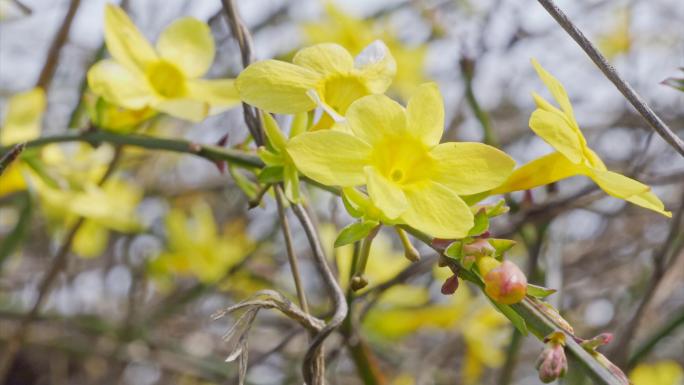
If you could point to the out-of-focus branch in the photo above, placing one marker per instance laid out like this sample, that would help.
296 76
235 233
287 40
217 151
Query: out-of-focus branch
10 156
661 263
609 71
52 59
645 348
59 262
468 71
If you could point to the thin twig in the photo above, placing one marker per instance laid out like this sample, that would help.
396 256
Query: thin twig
11 156
60 262
52 59
289 248
334 290
609 71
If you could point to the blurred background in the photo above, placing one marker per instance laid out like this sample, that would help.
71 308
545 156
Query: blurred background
134 307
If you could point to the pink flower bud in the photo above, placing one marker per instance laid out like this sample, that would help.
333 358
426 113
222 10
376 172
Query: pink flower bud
552 363
505 284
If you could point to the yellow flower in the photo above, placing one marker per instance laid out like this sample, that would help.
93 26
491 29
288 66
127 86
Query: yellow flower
166 79
396 153
21 123
196 248
573 156
110 117
355 34
323 75
660 373
619 39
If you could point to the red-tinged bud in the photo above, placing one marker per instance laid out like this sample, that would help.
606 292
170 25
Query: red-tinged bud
599 340
552 363
450 285
222 164
505 284
479 248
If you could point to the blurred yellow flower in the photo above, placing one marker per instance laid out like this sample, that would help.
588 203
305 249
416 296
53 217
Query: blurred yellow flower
396 153
110 117
22 122
166 79
573 156
355 34
195 247
323 75
619 39
659 373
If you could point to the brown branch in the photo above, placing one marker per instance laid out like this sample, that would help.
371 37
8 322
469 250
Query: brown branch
59 263
11 156
609 71
52 59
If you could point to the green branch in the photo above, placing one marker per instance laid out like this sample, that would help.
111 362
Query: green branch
595 365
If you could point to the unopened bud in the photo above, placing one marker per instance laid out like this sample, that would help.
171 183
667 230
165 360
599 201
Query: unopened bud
479 248
505 284
552 363
358 282
599 340
450 285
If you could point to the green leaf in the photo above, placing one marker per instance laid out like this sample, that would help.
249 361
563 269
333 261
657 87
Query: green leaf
271 174
355 232
300 123
474 198
515 318
10 243
481 223
539 291
454 250
246 185
276 139
501 245
352 208
291 178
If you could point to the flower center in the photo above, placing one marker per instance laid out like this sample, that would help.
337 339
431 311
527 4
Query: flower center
403 160
166 79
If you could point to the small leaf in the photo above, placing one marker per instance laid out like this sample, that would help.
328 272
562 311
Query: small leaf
454 250
515 318
352 207
539 291
246 185
291 178
481 223
275 137
15 237
300 123
271 174
270 157
355 232
501 245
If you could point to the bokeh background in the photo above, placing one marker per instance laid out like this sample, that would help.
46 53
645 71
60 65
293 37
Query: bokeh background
139 311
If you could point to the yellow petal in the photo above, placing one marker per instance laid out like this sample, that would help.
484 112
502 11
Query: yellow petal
188 109
556 89
374 118
425 114
23 119
547 169
386 195
555 130
188 43
330 157
124 41
650 201
437 211
90 240
327 59
220 94
376 66
119 85
277 86
469 168
618 185
11 180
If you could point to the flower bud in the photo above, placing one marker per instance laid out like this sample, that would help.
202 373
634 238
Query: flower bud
450 285
552 363
505 284
478 248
